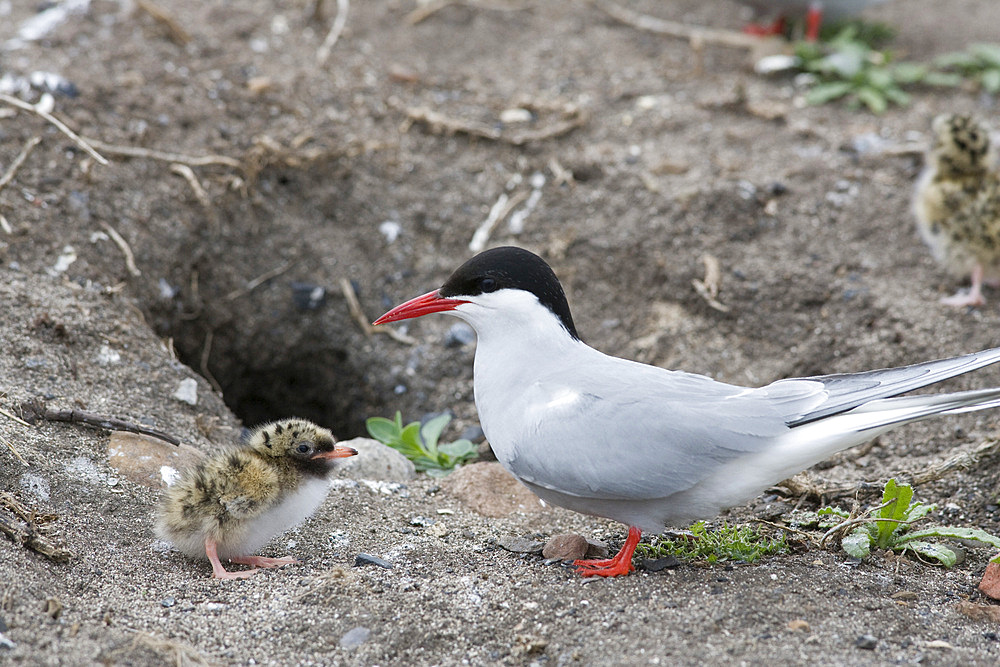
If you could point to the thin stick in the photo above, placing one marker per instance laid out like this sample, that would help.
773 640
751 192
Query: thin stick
339 21
11 415
190 160
28 535
206 352
35 410
503 205
187 173
13 449
124 247
258 281
354 307
178 35
693 34
18 161
964 461
61 126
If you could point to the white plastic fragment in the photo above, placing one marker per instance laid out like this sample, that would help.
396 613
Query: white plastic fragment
187 391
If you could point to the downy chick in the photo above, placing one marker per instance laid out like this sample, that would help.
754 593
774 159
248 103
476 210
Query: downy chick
231 504
957 204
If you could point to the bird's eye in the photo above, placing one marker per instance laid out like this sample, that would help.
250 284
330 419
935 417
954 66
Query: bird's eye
488 285
303 448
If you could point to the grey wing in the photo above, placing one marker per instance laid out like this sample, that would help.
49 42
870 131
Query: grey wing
849 390
614 442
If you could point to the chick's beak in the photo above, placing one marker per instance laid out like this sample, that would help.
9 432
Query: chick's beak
432 302
337 452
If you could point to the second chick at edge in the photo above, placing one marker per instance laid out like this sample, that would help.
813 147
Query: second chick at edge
230 505
957 204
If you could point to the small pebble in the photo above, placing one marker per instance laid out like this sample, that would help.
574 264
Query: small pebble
367 559
866 642
658 564
6 643
355 637
520 545
168 602
187 391
569 546
307 296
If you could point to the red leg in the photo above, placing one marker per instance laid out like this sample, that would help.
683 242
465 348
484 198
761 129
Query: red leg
219 572
612 567
813 19
262 561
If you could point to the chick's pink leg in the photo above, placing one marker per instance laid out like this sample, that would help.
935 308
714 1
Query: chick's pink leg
261 561
219 572
612 567
974 297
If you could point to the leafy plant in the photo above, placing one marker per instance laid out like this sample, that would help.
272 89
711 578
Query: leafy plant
420 444
725 543
847 67
980 62
890 527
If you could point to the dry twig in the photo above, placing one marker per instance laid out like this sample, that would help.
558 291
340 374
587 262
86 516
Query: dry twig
339 21
696 35
354 307
708 289
18 161
187 173
503 205
11 415
190 160
13 449
178 35
430 7
206 352
124 247
573 117
25 533
34 410
258 281
61 126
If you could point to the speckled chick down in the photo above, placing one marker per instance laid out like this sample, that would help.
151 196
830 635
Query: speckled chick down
957 201
242 497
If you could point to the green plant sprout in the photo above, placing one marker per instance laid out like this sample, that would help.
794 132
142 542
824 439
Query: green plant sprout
889 527
725 543
847 67
420 444
980 63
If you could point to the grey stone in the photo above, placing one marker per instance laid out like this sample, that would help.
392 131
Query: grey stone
867 642
520 545
375 461
367 559
355 637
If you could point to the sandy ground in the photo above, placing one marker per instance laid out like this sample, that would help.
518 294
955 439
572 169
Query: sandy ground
342 172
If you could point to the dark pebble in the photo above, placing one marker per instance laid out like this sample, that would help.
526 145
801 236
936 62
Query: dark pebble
368 559
658 564
3 625
866 642
307 296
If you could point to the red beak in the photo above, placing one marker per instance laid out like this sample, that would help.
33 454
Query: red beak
422 305
336 453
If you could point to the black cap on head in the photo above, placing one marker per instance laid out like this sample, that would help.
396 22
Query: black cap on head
511 268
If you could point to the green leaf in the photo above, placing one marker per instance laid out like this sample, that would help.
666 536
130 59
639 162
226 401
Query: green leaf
411 436
919 511
857 543
431 431
987 53
934 551
896 96
835 511
439 472
879 78
826 92
909 72
952 532
458 449
991 80
872 98
958 60
382 429
943 79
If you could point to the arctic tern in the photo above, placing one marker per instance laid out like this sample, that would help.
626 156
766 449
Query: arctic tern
643 445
